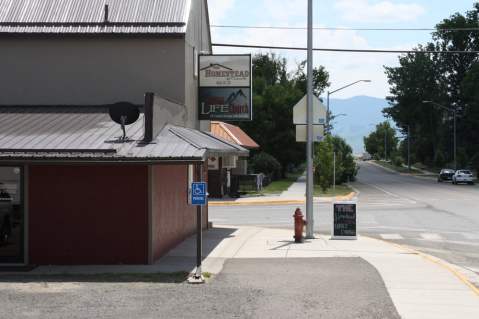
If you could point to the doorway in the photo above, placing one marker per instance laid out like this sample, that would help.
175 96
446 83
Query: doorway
12 216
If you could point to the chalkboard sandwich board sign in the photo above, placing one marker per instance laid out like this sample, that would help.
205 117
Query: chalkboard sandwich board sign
344 220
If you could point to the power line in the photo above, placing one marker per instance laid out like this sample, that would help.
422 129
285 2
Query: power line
231 45
342 29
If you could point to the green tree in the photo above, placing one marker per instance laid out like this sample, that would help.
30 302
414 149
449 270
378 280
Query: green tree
265 163
383 138
275 92
323 163
320 79
470 121
448 79
346 168
415 80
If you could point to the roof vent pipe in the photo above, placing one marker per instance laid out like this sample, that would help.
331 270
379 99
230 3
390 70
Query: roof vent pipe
105 17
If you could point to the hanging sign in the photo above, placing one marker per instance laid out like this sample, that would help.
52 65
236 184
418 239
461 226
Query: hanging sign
225 87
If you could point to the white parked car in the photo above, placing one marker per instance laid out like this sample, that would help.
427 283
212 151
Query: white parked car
463 176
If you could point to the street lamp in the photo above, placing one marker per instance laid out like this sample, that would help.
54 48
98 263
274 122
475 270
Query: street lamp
455 132
335 116
332 92
408 146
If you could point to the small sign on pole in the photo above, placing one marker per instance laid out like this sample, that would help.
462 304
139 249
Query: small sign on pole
344 220
198 193
301 133
198 199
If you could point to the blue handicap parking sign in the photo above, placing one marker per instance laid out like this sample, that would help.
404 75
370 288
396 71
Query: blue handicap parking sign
198 193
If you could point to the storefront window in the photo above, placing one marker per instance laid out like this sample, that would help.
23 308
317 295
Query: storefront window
11 215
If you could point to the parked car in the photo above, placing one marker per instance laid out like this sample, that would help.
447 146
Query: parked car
463 176
445 175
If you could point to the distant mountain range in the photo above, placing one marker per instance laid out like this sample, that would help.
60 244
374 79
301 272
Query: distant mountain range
361 111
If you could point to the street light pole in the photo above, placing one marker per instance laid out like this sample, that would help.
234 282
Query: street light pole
455 140
409 148
334 91
454 112
327 112
309 144
334 171
385 144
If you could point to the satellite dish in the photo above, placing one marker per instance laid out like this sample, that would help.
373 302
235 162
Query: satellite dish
124 113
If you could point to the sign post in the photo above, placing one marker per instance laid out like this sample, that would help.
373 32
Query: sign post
309 139
198 199
344 221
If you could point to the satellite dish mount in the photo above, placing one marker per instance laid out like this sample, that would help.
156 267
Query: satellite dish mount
124 113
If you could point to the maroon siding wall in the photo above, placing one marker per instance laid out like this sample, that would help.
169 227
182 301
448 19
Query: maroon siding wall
173 219
88 214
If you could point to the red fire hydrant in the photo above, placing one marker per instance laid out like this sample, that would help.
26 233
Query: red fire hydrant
299 224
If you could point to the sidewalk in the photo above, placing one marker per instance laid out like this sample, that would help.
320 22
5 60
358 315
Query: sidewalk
420 286
295 194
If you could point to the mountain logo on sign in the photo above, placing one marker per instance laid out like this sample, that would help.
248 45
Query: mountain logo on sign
216 66
237 98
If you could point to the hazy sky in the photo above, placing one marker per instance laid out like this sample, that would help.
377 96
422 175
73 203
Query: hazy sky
343 67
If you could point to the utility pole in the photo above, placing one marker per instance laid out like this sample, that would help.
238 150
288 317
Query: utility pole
385 144
409 148
455 140
327 112
334 170
309 144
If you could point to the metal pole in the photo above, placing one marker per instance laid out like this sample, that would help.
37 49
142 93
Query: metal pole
409 148
385 144
327 113
309 147
455 141
334 171
199 230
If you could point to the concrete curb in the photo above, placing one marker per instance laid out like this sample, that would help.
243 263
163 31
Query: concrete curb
255 202
423 176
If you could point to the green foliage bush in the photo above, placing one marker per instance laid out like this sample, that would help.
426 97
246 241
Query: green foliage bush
397 161
266 164
374 142
346 168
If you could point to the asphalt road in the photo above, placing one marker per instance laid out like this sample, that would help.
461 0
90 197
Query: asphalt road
326 288
440 219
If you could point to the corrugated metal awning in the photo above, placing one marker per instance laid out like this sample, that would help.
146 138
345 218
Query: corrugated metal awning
88 134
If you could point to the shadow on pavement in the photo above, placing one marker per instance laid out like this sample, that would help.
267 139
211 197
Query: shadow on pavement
177 277
174 267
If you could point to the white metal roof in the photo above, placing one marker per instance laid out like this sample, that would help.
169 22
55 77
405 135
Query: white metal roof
88 133
87 16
